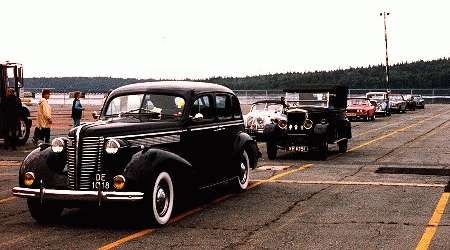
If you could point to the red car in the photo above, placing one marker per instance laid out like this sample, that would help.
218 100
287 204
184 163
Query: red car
360 108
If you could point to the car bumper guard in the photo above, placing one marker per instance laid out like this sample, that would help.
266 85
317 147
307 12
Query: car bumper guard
76 195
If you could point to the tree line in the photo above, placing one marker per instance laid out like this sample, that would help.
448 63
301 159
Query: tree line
419 74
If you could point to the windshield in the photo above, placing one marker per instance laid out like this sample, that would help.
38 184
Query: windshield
375 96
319 99
357 102
146 107
396 97
272 107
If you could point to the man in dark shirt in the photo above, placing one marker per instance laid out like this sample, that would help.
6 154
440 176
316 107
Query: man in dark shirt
77 109
13 108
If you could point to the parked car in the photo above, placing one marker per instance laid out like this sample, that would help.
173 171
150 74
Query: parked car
263 113
153 142
419 101
410 102
11 76
383 104
361 108
315 118
398 103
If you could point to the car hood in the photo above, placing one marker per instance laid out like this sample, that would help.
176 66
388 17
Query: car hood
365 107
263 114
123 128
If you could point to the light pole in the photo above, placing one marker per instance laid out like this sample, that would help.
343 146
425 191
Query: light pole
384 14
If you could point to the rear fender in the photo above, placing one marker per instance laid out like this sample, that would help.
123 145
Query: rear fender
245 141
143 165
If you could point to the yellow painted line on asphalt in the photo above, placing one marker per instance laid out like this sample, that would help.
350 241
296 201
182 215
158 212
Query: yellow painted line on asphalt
358 183
193 211
7 199
431 228
386 126
252 185
301 168
395 132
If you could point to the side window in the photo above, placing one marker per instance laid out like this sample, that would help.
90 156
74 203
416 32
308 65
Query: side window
223 107
236 108
203 105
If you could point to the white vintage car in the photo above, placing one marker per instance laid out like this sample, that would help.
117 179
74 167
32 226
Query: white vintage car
263 113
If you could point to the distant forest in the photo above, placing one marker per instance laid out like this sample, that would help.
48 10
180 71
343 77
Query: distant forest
420 74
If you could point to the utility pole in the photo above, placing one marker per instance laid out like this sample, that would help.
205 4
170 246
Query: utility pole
384 14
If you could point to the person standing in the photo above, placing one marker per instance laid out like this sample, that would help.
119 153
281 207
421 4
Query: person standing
13 108
44 119
77 109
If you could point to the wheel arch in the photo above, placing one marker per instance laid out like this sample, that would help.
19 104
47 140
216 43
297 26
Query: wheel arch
144 164
243 141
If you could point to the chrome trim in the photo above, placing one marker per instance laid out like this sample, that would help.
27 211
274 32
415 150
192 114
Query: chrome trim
77 157
148 134
73 195
204 128
155 140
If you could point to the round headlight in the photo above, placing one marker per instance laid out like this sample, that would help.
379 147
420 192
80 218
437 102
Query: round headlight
282 124
119 182
28 179
308 124
57 145
112 146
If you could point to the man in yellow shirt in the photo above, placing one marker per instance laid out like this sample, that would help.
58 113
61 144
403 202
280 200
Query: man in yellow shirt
44 119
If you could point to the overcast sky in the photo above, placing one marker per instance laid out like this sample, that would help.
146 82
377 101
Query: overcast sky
197 39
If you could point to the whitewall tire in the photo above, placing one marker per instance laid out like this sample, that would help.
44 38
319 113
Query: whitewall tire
244 172
162 198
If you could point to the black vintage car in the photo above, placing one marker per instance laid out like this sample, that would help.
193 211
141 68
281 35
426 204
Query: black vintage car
153 142
315 118
11 76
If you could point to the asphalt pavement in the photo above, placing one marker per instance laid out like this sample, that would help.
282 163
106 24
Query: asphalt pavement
389 191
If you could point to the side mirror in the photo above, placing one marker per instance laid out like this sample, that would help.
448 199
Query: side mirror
198 117
95 115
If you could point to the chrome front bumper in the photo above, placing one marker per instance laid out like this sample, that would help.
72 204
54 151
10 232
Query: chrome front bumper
75 195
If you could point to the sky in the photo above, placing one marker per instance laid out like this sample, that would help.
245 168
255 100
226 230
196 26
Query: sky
205 38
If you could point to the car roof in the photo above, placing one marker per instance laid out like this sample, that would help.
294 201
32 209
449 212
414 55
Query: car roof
182 88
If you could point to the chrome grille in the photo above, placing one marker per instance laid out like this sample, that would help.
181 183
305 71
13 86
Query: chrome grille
82 167
295 122
71 162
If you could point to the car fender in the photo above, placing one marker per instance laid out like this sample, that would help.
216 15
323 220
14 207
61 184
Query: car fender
46 166
245 141
320 129
143 165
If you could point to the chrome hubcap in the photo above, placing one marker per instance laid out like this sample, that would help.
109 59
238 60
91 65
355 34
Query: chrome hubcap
162 201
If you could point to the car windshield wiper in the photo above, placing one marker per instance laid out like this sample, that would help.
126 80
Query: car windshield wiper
145 111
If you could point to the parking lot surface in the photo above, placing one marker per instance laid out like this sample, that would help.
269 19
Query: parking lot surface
389 191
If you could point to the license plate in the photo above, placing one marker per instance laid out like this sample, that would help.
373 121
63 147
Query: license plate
100 182
298 148
351 114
